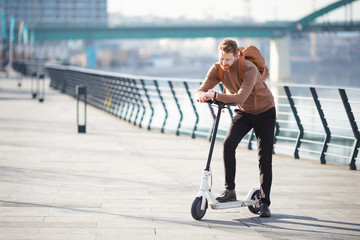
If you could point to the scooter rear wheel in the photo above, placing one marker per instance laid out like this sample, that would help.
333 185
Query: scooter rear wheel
256 207
196 211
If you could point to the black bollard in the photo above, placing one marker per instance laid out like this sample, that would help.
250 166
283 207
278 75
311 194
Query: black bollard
81 95
33 85
42 90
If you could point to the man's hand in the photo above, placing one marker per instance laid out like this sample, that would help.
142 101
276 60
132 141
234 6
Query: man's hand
207 95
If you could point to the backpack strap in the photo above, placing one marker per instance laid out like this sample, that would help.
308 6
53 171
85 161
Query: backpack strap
255 97
221 76
241 70
241 65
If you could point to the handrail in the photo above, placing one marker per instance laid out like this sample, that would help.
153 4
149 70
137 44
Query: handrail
169 104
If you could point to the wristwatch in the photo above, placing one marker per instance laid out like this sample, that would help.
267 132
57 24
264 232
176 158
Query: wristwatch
215 94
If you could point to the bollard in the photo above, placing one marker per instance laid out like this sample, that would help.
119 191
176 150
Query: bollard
18 79
81 91
33 85
42 90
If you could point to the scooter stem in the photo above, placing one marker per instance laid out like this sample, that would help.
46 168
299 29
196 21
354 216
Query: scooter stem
213 134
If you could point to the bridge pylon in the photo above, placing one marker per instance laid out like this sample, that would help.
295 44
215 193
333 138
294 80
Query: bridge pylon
280 65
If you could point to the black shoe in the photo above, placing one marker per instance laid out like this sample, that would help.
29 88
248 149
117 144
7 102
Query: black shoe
227 196
265 211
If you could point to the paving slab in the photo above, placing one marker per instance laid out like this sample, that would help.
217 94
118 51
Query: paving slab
119 181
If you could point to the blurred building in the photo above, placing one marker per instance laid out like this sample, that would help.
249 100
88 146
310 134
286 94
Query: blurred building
50 12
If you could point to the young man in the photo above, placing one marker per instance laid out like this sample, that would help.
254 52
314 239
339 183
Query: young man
256 112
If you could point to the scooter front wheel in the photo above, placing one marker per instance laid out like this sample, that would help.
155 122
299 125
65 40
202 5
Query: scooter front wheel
256 207
196 211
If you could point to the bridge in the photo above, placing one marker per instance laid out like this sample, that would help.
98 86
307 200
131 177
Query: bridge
279 33
261 30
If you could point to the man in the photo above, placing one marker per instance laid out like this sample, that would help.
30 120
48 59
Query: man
256 112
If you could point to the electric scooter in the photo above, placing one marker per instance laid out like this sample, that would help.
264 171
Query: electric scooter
200 203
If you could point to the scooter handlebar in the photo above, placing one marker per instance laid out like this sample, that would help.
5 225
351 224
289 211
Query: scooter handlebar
212 101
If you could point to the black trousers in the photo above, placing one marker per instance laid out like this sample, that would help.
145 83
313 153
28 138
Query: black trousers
264 125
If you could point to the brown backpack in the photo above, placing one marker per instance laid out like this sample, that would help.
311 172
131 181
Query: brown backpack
252 54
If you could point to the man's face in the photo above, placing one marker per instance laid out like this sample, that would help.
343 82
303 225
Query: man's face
226 59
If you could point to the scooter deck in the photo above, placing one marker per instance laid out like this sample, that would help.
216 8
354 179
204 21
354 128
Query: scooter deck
232 204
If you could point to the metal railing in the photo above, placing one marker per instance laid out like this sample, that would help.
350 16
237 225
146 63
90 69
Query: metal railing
315 122
319 121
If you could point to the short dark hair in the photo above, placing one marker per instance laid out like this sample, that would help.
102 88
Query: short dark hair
228 45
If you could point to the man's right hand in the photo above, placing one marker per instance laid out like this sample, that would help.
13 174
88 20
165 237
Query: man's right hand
207 95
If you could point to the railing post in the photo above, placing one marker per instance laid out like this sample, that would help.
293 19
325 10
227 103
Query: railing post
64 81
193 135
324 123
117 100
139 100
127 98
354 128
132 99
298 122
178 106
122 97
163 104
150 104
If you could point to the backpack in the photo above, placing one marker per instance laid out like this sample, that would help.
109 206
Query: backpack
252 54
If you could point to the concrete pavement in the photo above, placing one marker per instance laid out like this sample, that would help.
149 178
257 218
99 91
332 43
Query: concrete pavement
118 181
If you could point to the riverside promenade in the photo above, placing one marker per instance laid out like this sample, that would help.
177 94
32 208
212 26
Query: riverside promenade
119 181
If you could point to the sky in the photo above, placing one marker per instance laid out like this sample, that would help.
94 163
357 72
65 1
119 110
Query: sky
260 10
